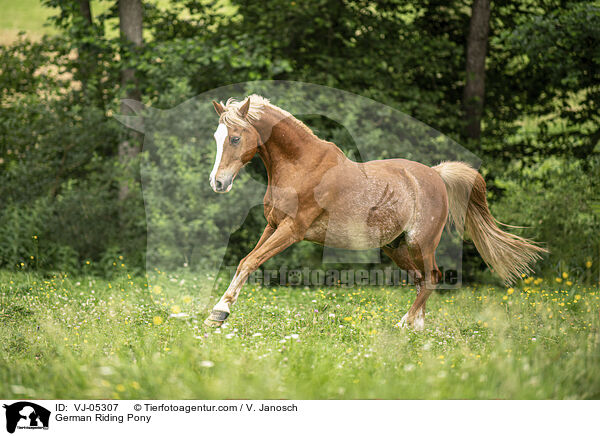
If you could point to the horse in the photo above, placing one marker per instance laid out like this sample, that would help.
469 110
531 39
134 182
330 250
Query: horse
316 193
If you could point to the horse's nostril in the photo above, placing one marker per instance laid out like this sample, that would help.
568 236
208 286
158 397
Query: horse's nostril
218 185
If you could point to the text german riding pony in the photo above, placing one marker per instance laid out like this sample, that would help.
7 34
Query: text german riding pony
316 193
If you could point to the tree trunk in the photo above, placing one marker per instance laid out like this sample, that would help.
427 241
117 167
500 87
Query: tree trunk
130 25
86 11
86 52
475 81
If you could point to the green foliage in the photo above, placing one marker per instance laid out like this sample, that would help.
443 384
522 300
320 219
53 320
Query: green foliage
557 62
544 89
559 201
59 170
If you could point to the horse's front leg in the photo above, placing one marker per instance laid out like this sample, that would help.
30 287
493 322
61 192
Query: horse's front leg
272 242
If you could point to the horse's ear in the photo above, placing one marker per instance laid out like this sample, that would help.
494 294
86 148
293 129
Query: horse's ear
243 110
218 107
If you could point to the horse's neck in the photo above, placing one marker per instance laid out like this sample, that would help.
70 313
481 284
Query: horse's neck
286 141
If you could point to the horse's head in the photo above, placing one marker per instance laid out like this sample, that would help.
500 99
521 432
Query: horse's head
237 143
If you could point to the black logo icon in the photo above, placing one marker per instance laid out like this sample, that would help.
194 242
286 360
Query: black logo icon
26 415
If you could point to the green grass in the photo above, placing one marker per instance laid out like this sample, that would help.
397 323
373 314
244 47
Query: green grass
23 16
82 337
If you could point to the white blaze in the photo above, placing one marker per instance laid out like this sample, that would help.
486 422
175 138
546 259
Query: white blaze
220 135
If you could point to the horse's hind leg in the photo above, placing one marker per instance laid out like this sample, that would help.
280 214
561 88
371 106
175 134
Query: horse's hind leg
401 257
426 274
405 261
415 317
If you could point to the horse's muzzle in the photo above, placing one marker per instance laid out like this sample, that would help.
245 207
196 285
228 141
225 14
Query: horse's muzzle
223 184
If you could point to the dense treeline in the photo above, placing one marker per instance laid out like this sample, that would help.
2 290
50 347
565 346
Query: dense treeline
516 82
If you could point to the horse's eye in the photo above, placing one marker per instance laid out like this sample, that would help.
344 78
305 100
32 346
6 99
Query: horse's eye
235 140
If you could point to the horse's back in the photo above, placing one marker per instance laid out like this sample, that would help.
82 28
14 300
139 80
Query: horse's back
426 178
422 172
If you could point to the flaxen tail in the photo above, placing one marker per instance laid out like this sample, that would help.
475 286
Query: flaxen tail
507 254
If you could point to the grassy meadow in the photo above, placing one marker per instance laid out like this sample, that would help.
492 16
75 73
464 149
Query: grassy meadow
26 16
84 337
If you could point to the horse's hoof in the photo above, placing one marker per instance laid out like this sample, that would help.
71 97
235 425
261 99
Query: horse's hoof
213 324
403 322
216 318
417 323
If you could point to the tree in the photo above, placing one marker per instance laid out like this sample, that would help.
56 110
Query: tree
474 92
87 51
131 26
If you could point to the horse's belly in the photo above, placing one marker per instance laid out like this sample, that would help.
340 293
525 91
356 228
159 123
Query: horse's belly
353 232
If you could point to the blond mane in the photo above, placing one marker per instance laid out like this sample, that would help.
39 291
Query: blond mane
258 104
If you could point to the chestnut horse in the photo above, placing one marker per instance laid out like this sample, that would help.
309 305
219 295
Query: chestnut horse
316 193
